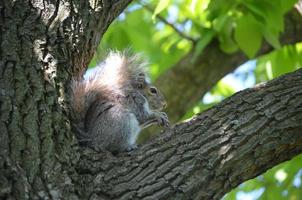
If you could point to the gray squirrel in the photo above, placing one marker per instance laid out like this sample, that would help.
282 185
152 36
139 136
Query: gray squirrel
113 105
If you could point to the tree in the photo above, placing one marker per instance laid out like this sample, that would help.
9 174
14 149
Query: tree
46 43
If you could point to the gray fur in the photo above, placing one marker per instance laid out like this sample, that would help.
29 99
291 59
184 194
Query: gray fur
111 113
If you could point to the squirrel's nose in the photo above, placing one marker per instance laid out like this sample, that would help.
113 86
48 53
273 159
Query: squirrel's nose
164 104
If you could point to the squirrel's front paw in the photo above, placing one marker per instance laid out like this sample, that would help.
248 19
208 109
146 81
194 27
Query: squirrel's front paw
163 119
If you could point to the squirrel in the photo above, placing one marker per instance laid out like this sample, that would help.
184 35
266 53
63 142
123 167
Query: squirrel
113 105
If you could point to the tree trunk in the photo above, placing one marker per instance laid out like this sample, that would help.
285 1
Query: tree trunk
45 43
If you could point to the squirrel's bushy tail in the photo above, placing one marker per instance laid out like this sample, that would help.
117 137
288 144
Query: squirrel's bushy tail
111 77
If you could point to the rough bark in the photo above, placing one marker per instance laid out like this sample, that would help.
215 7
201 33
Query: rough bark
209 155
42 44
45 43
210 66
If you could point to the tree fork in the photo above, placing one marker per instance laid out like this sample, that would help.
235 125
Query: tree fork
45 43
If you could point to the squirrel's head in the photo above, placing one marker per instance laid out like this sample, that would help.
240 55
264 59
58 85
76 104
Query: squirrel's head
155 98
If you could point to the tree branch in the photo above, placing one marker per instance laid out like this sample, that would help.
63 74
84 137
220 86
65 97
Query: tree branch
183 92
209 155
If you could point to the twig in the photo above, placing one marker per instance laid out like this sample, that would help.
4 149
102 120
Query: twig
161 18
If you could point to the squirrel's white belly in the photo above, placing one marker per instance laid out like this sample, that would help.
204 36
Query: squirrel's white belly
135 129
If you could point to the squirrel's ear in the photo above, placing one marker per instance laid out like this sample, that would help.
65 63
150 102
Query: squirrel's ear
141 78
140 81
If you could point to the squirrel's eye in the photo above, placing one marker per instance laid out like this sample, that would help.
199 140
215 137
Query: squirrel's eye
153 90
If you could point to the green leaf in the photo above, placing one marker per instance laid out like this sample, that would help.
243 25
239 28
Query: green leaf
281 61
162 5
219 22
220 7
272 38
252 185
255 8
231 195
223 89
288 4
206 38
268 13
248 35
227 43
286 60
92 63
